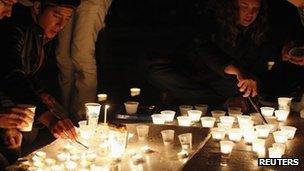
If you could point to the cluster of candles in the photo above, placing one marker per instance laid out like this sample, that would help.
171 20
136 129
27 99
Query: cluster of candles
187 118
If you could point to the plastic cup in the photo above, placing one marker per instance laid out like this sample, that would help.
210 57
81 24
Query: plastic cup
158 119
134 91
290 129
131 107
217 114
102 97
186 141
184 120
201 107
92 110
184 109
267 111
284 103
169 115
168 136
207 122
195 115
142 132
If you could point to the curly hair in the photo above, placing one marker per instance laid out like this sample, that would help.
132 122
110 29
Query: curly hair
226 15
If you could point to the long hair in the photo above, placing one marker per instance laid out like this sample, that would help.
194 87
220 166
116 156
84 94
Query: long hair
226 15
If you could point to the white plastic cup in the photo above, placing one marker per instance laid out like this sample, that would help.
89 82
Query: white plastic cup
262 130
158 119
32 108
217 114
267 111
186 141
218 133
284 103
280 136
235 134
168 136
281 114
102 97
134 91
184 120
207 122
195 115
290 129
92 111
201 107
131 107
184 109
169 115
142 132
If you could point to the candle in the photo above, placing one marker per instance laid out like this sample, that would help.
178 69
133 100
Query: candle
217 114
235 114
249 135
262 130
227 119
70 165
169 115
50 161
274 153
235 134
267 111
258 145
280 147
280 136
207 122
184 109
105 113
102 97
290 129
134 91
225 126
158 119
243 120
184 120
86 132
63 156
195 115
226 146
284 103
92 112
281 115
218 133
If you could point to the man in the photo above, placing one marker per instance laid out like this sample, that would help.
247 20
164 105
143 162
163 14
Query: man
76 56
6 8
24 55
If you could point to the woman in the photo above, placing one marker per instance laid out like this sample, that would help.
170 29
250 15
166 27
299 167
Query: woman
224 61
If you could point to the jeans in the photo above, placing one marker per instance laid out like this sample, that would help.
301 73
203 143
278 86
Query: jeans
187 88
76 56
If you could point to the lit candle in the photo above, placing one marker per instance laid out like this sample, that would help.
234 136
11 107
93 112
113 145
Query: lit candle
208 122
63 156
235 134
56 168
281 115
217 114
290 129
258 145
225 126
158 119
169 115
249 135
50 161
280 147
243 120
227 119
105 113
226 146
218 133
195 115
70 165
280 136
184 120
274 153
262 130
267 111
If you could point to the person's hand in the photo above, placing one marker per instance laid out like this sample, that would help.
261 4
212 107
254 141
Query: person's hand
63 128
248 87
12 138
48 99
16 117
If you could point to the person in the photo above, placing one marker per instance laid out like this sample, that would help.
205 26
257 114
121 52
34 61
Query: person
75 56
223 62
287 71
23 48
6 8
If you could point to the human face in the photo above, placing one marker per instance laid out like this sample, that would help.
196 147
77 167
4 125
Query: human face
6 8
248 11
53 19
297 3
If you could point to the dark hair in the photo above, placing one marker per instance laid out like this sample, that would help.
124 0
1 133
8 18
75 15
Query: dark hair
226 14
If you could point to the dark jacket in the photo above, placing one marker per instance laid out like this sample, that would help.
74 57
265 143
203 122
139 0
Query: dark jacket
22 60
